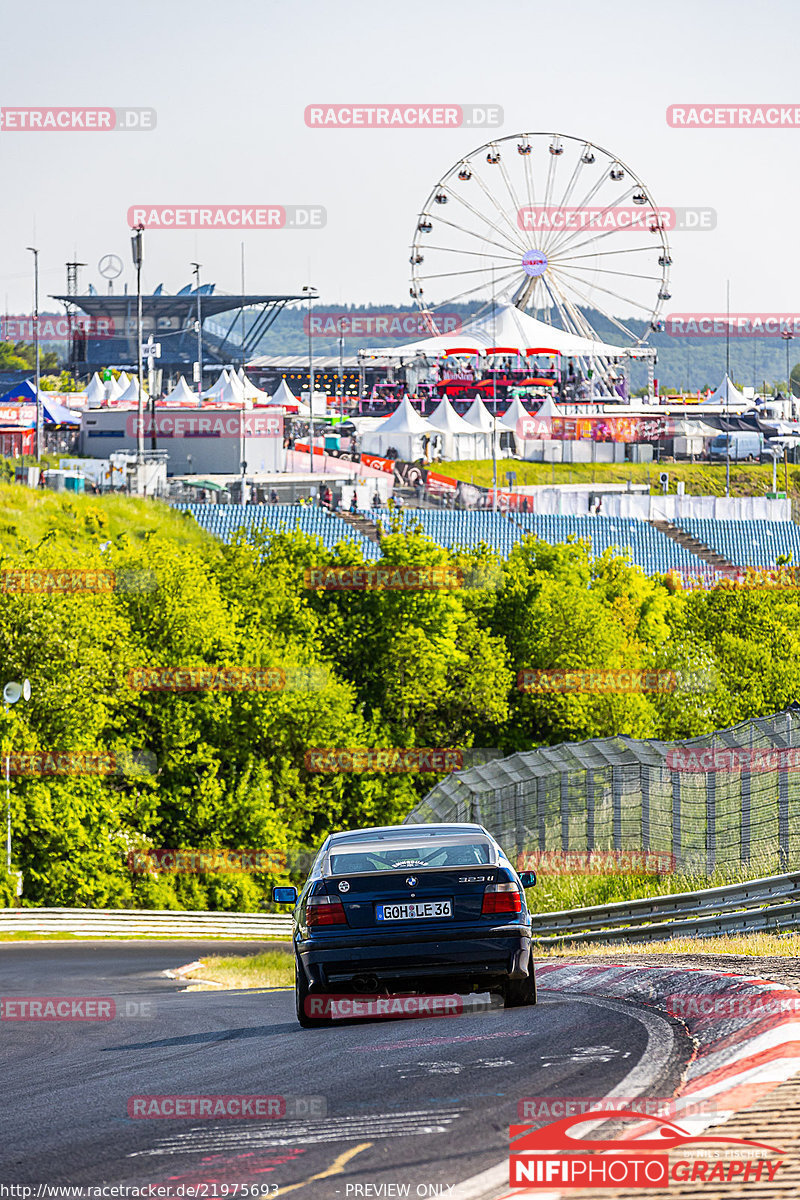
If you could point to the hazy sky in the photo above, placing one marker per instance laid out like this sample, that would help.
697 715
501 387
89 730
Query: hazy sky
230 82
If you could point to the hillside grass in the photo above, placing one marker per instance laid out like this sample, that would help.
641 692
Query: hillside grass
27 515
701 479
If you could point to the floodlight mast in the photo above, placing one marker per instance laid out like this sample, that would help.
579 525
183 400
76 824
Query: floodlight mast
136 248
199 322
35 254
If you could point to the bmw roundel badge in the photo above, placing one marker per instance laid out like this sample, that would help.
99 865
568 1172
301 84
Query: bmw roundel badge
344 886
411 880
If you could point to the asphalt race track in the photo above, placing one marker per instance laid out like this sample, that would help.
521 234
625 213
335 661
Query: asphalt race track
420 1102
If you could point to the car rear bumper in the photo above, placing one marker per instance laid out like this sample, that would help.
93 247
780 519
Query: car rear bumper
466 957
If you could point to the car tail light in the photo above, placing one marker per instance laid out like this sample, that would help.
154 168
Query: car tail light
325 910
501 898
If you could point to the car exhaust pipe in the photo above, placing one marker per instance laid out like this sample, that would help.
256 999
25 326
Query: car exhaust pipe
365 983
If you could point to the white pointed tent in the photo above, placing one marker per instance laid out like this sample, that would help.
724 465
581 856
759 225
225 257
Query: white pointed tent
515 413
459 438
95 392
403 431
123 381
284 395
478 415
548 410
114 391
181 394
217 386
727 393
536 427
506 328
232 393
131 393
251 392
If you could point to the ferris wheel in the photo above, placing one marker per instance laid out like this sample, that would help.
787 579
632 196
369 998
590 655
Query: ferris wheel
550 224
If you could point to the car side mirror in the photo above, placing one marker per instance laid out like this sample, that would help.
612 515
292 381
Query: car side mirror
526 878
284 895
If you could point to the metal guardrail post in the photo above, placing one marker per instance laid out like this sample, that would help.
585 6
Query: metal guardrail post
744 844
519 818
541 797
616 804
676 818
783 817
711 823
590 810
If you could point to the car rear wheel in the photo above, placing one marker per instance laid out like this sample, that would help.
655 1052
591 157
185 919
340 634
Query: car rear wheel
520 992
301 995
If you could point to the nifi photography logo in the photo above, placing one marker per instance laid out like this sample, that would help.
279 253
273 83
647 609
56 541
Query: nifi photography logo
554 1157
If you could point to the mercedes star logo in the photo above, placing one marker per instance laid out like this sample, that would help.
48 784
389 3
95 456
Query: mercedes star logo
110 266
411 880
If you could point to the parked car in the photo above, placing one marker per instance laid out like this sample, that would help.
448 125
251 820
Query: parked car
411 908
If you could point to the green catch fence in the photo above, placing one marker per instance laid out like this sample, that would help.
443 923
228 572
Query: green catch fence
721 802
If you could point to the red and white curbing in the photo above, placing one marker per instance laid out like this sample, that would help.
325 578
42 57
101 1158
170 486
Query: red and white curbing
737 1060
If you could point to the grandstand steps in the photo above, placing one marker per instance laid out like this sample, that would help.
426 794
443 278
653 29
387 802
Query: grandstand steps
362 525
692 544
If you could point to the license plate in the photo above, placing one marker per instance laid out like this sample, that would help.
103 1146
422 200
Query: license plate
416 910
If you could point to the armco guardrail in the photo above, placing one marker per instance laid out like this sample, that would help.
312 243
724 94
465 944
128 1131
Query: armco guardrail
736 908
759 905
142 922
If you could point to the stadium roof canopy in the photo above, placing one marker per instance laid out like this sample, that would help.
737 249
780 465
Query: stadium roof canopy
161 305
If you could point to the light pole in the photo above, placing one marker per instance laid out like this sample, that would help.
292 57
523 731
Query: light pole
309 289
494 404
136 247
788 337
341 370
12 692
35 254
199 322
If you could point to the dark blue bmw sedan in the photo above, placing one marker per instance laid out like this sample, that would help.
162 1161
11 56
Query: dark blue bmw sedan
411 909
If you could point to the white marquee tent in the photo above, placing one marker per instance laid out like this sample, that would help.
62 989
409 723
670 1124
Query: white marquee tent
95 392
131 393
727 393
515 413
460 439
251 392
181 393
478 415
506 329
284 395
403 431
217 386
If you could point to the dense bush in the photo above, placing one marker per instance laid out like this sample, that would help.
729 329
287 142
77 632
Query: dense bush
363 669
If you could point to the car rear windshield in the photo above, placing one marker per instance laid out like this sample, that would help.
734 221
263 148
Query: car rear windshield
355 860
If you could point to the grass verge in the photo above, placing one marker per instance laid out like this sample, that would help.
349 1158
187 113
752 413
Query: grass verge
556 893
750 945
127 937
273 968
